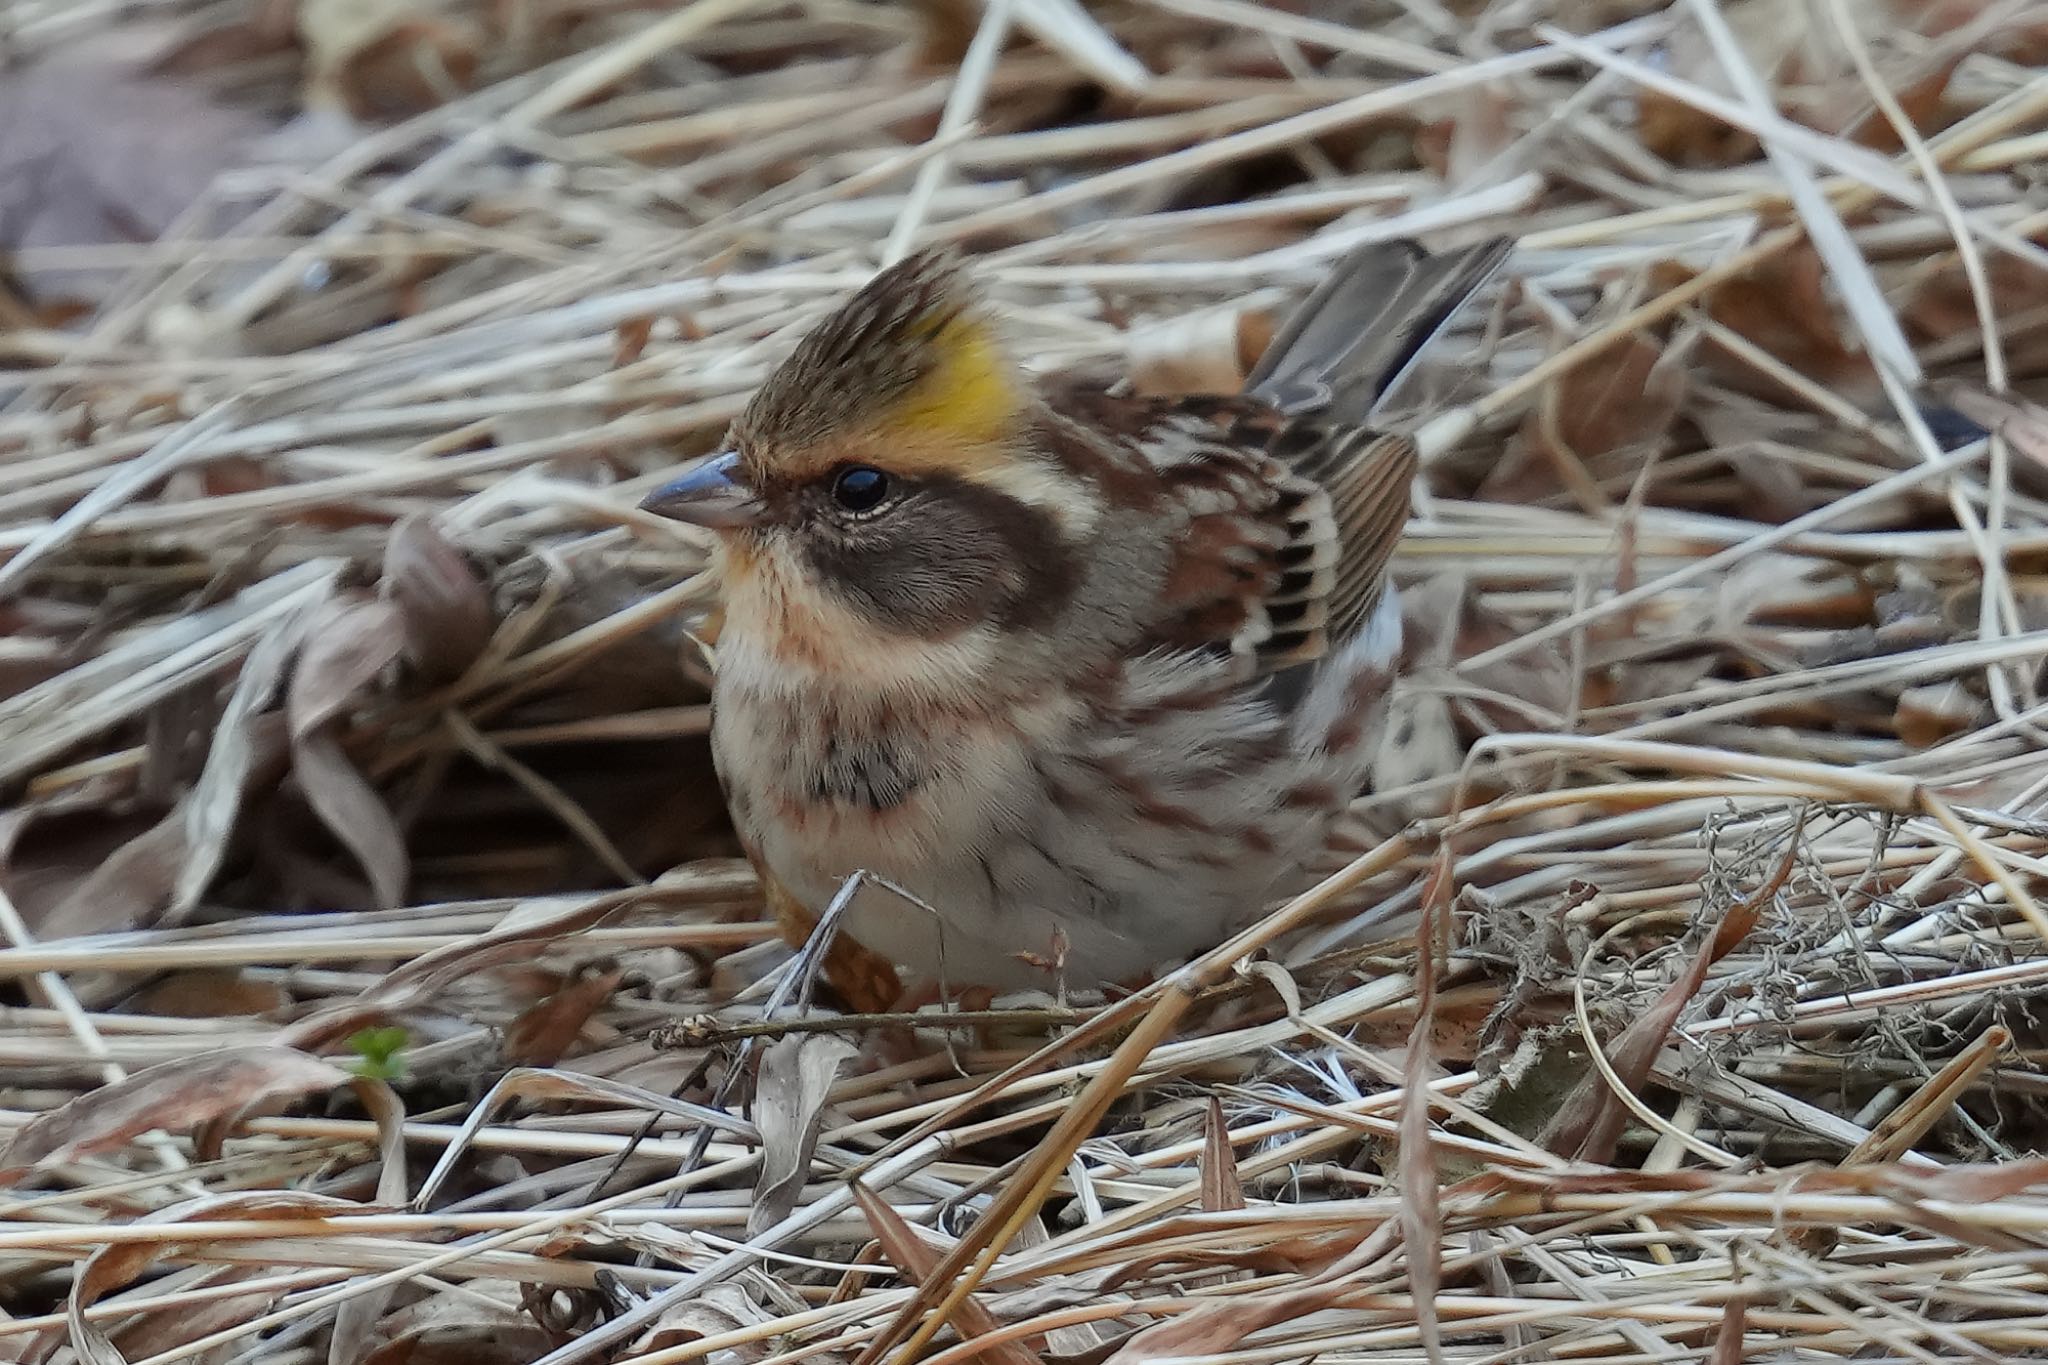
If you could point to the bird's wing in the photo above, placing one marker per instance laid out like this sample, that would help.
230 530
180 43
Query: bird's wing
1287 503
1279 529
1354 339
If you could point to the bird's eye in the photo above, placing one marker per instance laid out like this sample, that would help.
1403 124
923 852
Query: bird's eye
860 488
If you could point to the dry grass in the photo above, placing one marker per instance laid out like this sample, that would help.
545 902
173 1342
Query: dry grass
340 694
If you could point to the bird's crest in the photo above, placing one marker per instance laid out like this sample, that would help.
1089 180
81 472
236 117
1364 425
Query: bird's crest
912 359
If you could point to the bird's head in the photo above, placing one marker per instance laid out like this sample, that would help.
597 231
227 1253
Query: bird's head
888 476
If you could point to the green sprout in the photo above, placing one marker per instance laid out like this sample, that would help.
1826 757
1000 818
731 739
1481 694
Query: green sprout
380 1053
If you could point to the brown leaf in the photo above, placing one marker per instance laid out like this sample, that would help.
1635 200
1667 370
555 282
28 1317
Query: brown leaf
348 644
1591 1121
1931 713
630 340
265 33
1728 1337
419 65
1679 132
127 890
382 59
1421 1217
358 1315
916 1261
132 882
1216 1328
1782 306
209 993
18 1348
118 1263
543 1035
517 939
789 1108
350 807
244 746
1925 103
442 605
717 1310
1200 353
2022 423
1628 399
458 1329
156 1333
1221 1187
171 1095
1481 130
1942 306
1816 83
945 28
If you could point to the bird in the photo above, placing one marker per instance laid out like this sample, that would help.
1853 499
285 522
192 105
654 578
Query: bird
1079 680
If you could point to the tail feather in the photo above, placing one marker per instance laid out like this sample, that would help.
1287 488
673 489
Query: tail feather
1360 332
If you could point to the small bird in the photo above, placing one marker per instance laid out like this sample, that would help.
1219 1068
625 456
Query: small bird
1088 675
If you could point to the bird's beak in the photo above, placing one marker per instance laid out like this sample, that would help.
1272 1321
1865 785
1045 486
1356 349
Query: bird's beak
713 494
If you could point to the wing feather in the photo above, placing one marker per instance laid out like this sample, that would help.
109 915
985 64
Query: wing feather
1282 507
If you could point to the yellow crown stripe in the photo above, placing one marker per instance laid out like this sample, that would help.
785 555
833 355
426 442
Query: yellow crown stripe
970 393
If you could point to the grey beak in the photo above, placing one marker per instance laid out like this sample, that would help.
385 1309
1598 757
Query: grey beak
712 494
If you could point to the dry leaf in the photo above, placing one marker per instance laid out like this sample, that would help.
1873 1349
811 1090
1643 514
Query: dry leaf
1782 306
1215 1328
348 644
209 993
1942 306
155 1333
1221 1186
171 1095
543 1035
132 884
418 65
356 1317
1728 1348
1929 714
1482 129
1421 1217
443 606
118 1263
1205 352
520 936
1688 136
350 807
1794 48
718 1309
945 28
466 1328
1628 399
241 746
128 890
1591 1121
267 32
2022 423
789 1108
384 59
917 1261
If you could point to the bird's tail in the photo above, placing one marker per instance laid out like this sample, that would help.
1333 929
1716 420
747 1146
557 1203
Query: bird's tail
1359 333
